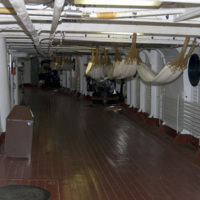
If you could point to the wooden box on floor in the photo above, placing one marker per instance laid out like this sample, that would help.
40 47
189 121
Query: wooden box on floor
19 131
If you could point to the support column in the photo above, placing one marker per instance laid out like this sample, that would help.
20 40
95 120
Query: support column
16 87
81 75
84 66
64 79
135 92
128 92
4 86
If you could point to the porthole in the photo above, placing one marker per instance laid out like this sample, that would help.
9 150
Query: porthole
194 70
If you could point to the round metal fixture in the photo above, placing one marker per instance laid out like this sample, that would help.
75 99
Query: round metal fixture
194 70
25 192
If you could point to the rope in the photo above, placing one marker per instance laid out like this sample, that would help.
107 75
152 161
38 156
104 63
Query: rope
92 56
132 54
117 55
185 60
176 64
96 59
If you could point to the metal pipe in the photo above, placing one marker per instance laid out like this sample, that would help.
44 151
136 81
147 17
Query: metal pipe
21 11
58 6
169 11
188 14
110 14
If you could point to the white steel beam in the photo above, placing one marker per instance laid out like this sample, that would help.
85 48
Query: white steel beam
130 28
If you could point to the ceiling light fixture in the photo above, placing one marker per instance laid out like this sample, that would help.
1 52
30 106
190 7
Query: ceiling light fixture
119 2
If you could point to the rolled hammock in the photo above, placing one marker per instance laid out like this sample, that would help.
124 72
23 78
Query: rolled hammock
66 63
96 70
171 70
127 67
116 62
107 65
90 63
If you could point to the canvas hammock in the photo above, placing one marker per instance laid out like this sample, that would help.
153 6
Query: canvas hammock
54 61
96 71
90 63
171 70
106 63
127 67
116 62
66 63
75 78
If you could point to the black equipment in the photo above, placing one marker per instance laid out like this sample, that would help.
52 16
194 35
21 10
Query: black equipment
104 93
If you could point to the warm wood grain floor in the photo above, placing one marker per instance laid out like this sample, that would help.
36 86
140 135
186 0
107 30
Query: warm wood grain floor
95 153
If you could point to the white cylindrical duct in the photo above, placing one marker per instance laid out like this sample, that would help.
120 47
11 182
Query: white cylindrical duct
171 11
128 93
22 13
4 86
145 89
12 83
16 88
84 77
69 79
135 92
58 6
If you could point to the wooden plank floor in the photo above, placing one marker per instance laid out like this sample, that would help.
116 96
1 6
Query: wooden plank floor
82 152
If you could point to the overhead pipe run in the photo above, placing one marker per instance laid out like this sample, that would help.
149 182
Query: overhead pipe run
58 6
110 15
21 11
188 14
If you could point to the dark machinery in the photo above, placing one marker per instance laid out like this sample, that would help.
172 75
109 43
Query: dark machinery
52 79
103 92
49 76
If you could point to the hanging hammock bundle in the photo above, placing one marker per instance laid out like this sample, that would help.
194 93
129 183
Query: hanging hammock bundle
106 64
54 62
67 64
59 62
96 71
127 67
90 63
116 62
171 70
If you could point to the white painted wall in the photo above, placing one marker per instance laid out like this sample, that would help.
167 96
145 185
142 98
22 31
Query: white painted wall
189 90
4 86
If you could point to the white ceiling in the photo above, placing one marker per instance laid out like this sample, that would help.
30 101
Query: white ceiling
79 32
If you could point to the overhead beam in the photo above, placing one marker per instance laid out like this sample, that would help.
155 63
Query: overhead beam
130 28
165 30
